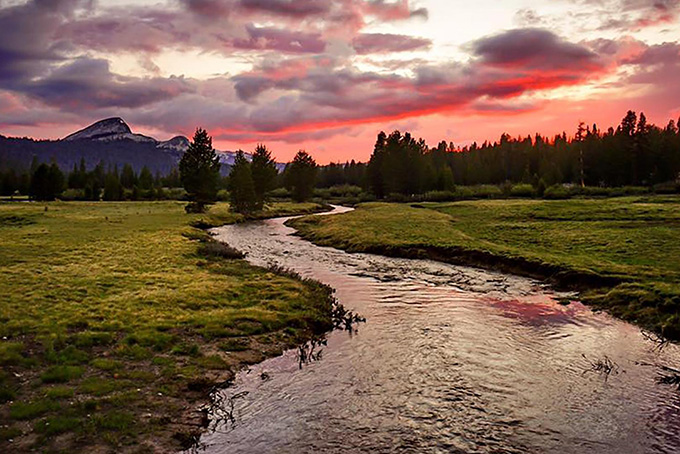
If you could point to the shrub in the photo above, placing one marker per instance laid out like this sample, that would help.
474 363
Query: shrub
219 250
670 187
523 190
397 198
223 195
556 192
345 190
486 191
279 193
438 196
73 194
593 191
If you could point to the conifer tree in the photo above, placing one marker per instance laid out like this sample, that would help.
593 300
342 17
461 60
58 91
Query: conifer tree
301 176
242 195
199 170
264 174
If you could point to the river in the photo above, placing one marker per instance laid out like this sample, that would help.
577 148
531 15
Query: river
450 360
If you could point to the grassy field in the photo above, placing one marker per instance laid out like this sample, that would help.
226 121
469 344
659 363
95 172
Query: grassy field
622 253
113 325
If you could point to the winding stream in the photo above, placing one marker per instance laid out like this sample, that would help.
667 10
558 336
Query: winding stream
451 359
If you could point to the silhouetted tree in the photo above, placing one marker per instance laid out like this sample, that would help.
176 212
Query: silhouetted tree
128 178
242 196
199 169
264 174
300 176
47 182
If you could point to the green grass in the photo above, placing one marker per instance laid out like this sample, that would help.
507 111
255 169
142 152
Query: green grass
623 251
101 299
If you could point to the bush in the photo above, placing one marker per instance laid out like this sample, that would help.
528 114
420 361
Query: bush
592 191
223 195
175 194
397 198
345 190
486 191
523 190
219 250
73 194
279 193
556 192
670 187
438 196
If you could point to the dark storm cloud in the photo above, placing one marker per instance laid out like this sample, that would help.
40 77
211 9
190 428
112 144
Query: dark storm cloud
533 48
294 8
88 83
373 43
26 32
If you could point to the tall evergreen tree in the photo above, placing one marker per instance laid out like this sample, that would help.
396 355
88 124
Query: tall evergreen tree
128 178
300 176
146 179
264 174
242 194
199 169
47 182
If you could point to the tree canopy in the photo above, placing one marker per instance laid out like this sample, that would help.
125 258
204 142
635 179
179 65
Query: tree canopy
300 176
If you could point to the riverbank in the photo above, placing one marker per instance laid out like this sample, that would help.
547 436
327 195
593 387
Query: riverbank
621 254
118 318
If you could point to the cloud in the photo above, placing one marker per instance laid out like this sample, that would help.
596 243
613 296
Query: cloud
294 8
534 48
372 43
296 98
88 83
632 15
280 40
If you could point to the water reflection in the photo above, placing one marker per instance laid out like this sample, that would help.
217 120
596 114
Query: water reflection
451 359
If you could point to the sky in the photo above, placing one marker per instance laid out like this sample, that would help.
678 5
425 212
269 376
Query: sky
327 75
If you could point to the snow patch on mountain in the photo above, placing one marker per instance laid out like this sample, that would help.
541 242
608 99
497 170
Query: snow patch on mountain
109 130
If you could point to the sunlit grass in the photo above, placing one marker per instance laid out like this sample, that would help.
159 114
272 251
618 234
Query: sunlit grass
113 307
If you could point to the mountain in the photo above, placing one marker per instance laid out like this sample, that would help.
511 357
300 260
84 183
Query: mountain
110 141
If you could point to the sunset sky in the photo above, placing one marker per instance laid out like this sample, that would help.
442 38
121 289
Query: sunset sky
328 75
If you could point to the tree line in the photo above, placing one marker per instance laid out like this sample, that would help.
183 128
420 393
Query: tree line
44 182
635 153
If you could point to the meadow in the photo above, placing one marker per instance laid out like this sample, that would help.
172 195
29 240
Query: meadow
620 253
116 319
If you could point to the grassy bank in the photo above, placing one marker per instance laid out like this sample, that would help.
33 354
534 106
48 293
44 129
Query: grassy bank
621 253
115 320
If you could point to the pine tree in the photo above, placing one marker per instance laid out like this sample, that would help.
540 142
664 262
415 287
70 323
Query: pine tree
47 182
113 189
301 176
241 186
145 179
127 177
199 169
264 174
